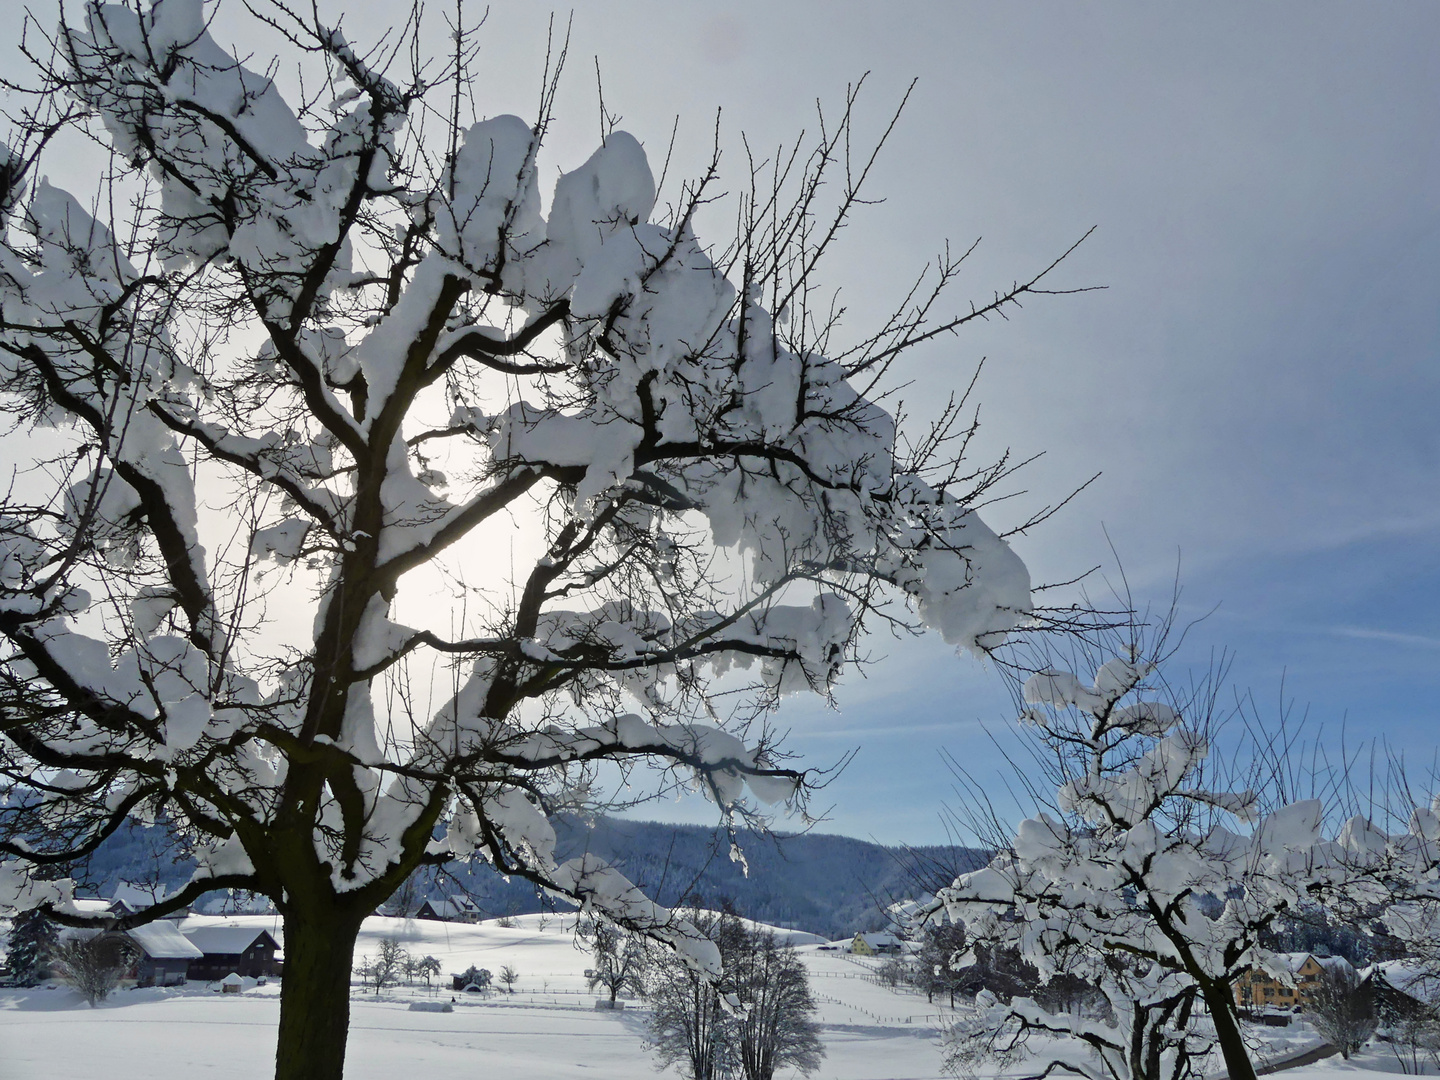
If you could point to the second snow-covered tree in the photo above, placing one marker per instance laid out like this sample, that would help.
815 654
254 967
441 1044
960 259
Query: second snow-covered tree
1116 878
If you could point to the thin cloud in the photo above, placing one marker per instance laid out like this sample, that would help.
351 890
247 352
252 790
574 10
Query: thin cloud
1422 641
872 731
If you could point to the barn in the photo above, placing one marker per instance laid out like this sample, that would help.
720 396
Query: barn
165 955
247 951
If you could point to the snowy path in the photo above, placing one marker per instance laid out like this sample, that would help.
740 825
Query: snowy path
1297 1059
233 1038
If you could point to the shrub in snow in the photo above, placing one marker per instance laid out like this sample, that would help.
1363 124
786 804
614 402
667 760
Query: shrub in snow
508 977
1340 1006
620 958
94 963
305 373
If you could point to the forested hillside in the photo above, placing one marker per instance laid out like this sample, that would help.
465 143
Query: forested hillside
830 885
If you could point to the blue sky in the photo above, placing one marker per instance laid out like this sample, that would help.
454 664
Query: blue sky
1258 384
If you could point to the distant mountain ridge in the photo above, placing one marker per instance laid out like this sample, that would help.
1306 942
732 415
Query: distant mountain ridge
817 882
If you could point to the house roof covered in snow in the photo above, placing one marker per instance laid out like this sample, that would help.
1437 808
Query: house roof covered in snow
1293 962
454 906
1409 978
224 940
89 906
138 896
161 941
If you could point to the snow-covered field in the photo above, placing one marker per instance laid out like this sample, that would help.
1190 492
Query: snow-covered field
547 1029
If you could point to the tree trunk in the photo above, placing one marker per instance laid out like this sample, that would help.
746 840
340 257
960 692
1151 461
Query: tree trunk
1221 1004
315 998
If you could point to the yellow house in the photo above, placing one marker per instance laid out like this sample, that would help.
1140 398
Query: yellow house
1258 989
874 943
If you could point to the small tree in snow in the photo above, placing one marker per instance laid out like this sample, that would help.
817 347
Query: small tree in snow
1110 881
31 947
1340 1006
408 897
94 964
309 360
620 958
1414 1038
385 967
942 966
759 1021
427 967
509 976
691 1025
895 970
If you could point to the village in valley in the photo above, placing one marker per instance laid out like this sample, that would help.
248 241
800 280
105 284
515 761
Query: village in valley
881 1000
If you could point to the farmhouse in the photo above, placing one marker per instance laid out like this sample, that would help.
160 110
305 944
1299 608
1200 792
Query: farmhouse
242 950
126 900
454 908
874 944
91 906
161 956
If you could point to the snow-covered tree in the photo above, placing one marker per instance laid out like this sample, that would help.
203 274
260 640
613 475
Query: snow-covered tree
1111 880
475 976
1340 1006
380 509
95 963
31 947
385 967
776 1028
620 958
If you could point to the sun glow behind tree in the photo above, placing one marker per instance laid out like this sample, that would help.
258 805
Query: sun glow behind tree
354 329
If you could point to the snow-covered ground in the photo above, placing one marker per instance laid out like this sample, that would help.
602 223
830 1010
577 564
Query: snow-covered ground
547 1029
1369 1064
